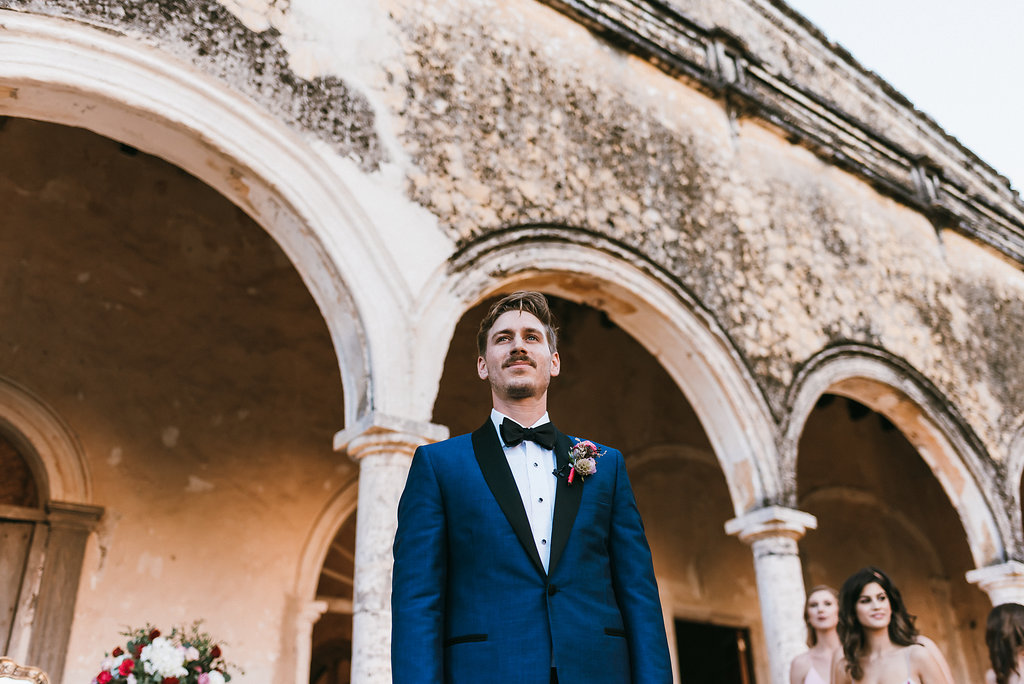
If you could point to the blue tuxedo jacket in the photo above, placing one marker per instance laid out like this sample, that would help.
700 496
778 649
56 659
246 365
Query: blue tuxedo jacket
471 602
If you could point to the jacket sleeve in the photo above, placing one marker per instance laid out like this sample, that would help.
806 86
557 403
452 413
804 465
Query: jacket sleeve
417 594
636 590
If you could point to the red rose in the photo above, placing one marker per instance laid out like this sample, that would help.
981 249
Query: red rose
215 652
126 667
103 678
137 651
154 634
170 680
117 652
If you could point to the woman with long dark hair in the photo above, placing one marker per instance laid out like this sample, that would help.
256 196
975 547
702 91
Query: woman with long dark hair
821 615
880 642
1004 635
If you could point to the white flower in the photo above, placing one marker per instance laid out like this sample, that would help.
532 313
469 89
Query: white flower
216 677
191 653
585 466
164 658
130 679
107 664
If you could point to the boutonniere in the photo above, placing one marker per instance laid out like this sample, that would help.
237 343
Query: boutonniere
582 461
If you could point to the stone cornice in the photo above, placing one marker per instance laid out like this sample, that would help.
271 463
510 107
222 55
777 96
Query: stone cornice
720 65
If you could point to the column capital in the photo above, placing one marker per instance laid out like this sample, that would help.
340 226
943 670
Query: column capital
1004 583
374 430
309 612
771 522
73 516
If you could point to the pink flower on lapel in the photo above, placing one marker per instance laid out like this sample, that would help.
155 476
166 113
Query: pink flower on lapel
583 459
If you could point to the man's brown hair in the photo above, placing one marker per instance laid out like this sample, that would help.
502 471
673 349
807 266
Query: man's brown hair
531 302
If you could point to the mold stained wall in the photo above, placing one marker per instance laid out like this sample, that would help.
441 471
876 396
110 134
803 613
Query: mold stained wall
516 115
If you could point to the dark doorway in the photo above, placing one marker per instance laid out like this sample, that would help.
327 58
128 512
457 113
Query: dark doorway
713 654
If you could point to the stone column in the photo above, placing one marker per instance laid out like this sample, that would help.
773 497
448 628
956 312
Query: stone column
772 533
1004 583
383 446
308 613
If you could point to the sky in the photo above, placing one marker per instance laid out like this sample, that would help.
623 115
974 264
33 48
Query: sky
961 63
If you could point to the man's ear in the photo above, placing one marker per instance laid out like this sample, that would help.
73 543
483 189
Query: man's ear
481 367
556 364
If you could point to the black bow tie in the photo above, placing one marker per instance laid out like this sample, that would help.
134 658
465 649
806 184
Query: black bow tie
512 433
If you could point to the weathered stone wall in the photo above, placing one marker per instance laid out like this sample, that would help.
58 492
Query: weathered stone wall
509 113
789 255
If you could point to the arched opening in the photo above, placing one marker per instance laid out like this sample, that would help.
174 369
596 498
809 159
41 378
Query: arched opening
20 512
612 390
188 358
878 503
331 661
42 540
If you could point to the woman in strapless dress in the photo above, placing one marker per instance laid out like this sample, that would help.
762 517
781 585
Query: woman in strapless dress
1004 635
880 644
821 614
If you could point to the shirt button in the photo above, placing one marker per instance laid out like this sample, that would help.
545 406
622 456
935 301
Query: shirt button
543 541
534 465
541 499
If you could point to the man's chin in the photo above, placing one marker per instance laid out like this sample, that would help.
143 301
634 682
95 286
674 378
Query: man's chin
520 391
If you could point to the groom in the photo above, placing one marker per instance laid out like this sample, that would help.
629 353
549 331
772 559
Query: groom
520 557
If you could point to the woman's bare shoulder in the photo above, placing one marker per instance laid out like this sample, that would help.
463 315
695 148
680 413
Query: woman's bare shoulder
799 668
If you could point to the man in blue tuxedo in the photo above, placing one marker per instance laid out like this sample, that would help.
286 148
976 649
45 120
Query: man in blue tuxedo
520 557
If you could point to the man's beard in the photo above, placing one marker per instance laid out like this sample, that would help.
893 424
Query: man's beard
520 391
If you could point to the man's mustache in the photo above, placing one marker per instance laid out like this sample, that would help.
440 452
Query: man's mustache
516 358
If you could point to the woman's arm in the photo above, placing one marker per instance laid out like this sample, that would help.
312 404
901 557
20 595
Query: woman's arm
928 669
799 667
839 673
937 655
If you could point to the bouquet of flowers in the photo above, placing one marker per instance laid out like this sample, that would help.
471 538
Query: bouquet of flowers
185 657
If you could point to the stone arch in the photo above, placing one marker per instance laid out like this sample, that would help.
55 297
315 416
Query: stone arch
1014 485
889 513
56 457
891 387
641 299
306 609
341 506
62 72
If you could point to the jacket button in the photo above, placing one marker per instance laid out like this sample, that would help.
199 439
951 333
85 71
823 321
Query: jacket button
552 590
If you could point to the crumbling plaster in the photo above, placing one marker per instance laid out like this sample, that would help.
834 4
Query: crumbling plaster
790 254
789 45
508 113
256 63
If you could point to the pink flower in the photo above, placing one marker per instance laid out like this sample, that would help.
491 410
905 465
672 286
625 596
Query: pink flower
203 678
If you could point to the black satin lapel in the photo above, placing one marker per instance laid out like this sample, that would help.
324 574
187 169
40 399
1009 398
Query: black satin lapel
498 476
567 503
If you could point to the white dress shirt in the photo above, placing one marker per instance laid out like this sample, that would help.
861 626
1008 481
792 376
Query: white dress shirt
532 467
